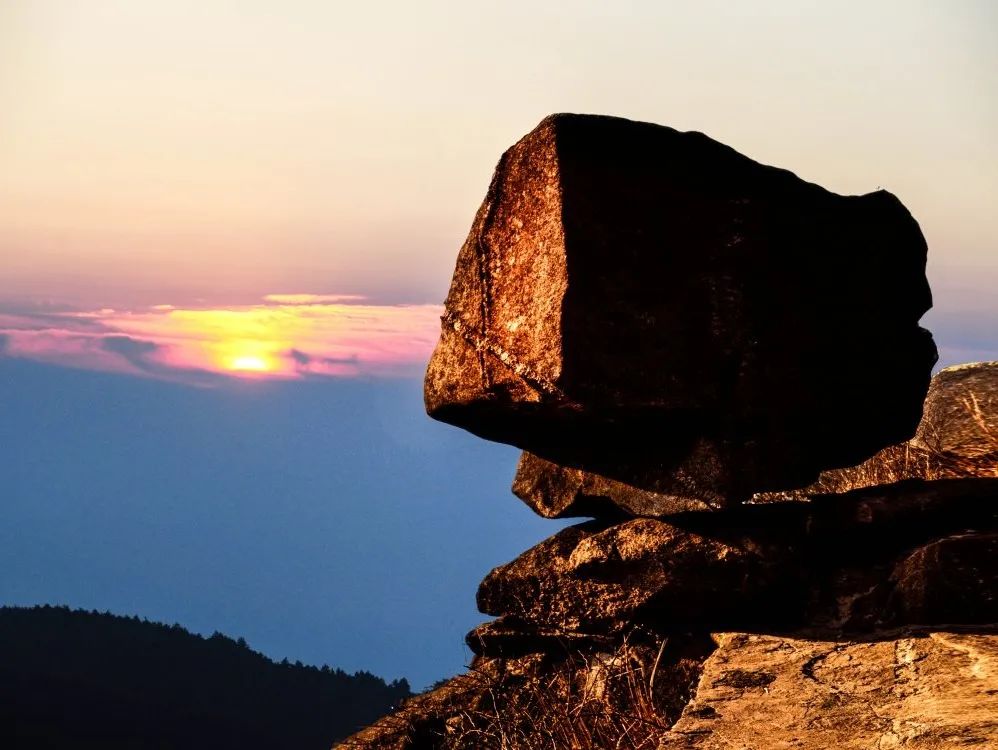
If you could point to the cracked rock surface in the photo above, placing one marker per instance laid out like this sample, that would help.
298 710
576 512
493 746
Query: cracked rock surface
930 690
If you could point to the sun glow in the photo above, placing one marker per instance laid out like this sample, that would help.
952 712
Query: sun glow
287 336
250 363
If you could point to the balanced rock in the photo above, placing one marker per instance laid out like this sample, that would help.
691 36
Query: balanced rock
654 307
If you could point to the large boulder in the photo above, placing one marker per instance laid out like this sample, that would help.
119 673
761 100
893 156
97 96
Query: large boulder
654 307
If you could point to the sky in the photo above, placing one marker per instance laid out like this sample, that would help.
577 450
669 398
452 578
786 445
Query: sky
226 229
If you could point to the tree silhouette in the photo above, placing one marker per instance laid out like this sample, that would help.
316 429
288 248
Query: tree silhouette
91 680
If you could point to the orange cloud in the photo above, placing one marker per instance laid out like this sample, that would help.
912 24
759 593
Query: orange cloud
312 299
287 336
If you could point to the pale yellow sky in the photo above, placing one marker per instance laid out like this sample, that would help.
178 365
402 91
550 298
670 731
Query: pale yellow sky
157 151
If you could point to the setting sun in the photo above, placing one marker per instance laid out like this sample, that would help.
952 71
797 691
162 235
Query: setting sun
250 363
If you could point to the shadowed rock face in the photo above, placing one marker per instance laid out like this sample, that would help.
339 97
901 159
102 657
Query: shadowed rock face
592 579
555 491
954 579
656 308
912 553
957 437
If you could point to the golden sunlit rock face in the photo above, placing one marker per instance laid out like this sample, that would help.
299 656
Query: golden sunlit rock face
285 336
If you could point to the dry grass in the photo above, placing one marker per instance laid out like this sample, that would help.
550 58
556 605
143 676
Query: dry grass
623 700
590 701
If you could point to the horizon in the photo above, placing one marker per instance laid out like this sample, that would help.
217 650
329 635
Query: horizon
227 231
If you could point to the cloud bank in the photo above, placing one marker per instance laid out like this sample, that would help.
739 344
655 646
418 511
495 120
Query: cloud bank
284 336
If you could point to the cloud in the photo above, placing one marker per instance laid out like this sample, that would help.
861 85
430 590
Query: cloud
134 351
275 339
312 299
307 364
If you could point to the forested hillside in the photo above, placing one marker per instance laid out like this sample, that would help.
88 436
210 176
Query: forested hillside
87 680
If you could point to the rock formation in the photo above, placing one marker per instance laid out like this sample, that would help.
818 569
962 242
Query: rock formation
721 365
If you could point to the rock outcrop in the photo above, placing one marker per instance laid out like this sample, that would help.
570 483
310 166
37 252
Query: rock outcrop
909 688
669 330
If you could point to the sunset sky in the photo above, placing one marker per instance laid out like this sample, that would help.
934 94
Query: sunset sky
263 200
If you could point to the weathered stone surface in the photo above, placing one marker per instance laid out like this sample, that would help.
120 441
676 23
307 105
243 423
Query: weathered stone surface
510 638
593 579
957 437
914 688
931 691
953 579
874 557
654 307
961 413
555 491
421 722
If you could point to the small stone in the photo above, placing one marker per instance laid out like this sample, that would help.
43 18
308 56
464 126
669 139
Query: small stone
555 491
951 580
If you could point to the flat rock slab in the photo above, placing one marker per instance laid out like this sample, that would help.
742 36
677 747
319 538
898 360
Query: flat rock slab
654 307
931 691
914 552
555 491
506 637
591 579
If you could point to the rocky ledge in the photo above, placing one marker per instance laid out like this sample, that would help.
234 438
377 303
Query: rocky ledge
794 534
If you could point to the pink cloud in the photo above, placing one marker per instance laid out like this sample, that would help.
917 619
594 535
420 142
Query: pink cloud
286 336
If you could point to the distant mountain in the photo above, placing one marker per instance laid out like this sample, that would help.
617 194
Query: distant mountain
77 679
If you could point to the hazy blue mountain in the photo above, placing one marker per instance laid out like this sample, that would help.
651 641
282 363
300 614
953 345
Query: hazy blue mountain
324 520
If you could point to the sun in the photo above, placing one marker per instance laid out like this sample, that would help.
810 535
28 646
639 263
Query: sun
249 363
